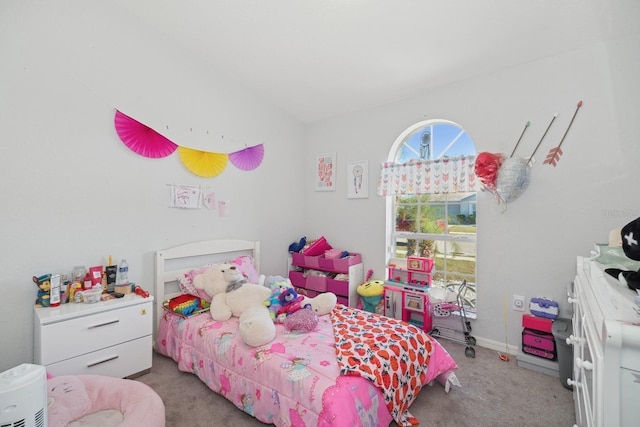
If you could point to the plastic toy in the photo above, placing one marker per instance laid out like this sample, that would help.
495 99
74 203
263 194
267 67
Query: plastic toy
141 292
185 305
44 288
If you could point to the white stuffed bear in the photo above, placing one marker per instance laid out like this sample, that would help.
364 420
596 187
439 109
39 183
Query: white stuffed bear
322 303
256 326
232 295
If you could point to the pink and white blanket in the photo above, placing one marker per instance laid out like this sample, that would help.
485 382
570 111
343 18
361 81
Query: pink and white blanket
295 380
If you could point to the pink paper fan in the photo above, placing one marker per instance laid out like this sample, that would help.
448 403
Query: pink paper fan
249 158
141 139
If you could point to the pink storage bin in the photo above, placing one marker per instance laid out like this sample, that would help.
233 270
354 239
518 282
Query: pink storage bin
296 277
343 300
318 247
305 261
338 287
316 283
332 253
305 292
340 265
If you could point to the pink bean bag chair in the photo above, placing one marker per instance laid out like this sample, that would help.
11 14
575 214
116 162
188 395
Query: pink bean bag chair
95 400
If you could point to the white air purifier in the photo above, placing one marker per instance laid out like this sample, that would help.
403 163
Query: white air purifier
23 396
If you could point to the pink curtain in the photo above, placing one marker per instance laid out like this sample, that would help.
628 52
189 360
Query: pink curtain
446 175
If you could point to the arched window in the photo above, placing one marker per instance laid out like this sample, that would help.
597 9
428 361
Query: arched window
431 203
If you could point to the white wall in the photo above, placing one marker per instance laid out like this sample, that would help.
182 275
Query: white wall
529 249
72 193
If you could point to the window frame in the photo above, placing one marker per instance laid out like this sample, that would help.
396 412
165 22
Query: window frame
391 235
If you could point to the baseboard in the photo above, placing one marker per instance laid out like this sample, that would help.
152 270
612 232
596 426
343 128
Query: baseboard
535 363
497 345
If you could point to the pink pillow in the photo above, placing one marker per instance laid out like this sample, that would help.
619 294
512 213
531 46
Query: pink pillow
244 264
247 268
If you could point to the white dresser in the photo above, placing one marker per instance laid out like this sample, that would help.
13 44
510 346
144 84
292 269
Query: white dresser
112 338
606 349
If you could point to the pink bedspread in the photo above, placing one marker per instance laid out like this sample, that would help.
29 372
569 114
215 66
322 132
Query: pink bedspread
293 381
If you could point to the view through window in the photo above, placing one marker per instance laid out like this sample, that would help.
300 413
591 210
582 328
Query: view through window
441 226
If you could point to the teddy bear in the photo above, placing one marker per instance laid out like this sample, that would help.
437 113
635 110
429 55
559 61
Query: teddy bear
232 295
230 292
256 327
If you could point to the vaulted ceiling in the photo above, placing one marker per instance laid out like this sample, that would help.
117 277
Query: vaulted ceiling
320 58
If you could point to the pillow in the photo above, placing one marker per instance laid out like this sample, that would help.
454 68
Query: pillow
244 264
185 282
247 268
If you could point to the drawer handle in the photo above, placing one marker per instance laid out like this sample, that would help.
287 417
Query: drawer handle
104 324
584 364
91 365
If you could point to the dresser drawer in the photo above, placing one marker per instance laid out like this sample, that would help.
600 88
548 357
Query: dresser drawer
119 361
85 334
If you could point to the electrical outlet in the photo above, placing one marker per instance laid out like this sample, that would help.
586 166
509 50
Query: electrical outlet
518 303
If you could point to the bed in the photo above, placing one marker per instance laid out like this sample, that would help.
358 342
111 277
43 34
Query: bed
354 369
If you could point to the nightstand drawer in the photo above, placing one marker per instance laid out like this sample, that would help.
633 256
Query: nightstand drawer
85 334
118 361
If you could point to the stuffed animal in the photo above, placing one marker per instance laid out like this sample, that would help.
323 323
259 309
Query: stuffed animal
323 303
256 327
290 302
231 295
298 246
370 294
277 284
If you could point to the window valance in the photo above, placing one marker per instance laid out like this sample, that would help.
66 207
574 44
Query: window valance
445 175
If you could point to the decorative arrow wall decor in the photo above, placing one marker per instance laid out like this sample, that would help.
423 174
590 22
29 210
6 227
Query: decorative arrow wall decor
553 157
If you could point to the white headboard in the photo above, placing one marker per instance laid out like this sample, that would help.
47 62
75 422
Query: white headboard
172 262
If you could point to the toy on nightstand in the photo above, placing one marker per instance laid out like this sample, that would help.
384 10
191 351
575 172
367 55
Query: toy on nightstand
371 294
44 290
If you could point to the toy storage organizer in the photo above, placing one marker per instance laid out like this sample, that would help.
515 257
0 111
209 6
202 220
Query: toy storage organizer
313 285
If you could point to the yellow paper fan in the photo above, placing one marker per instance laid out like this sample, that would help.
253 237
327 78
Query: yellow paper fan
203 163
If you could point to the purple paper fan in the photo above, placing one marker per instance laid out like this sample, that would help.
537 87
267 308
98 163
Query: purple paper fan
141 139
249 158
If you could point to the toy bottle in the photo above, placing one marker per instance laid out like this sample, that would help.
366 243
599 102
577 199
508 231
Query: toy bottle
123 272
54 301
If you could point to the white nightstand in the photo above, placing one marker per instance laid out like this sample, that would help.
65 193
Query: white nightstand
112 338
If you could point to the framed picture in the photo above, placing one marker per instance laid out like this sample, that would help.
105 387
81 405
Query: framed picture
358 180
325 172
